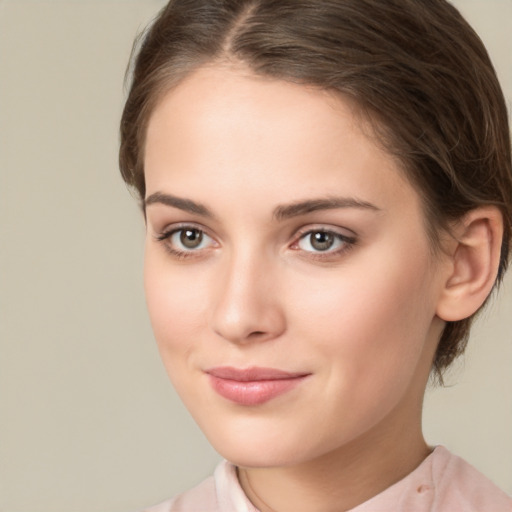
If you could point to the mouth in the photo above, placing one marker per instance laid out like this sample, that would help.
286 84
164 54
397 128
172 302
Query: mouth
252 386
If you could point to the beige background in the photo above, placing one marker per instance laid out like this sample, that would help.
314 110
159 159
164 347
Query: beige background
88 422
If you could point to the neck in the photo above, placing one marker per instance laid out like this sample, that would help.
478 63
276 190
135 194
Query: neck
345 478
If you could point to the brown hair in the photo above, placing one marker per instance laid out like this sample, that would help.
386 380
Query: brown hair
414 66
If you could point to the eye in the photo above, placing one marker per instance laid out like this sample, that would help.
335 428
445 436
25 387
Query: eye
186 240
321 240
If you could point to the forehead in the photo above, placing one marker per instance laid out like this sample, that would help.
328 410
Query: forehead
226 129
221 104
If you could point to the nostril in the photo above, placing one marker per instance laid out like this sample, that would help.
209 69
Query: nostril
257 334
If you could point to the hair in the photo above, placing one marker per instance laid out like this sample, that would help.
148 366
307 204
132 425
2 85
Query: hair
414 67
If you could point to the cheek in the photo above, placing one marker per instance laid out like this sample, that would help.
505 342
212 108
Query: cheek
175 304
366 334
374 314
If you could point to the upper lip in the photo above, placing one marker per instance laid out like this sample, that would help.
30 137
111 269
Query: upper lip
252 374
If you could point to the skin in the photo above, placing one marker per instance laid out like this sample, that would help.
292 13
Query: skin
361 319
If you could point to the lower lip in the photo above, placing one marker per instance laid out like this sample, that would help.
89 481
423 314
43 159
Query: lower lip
253 392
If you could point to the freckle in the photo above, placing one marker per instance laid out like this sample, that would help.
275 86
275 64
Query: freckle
423 488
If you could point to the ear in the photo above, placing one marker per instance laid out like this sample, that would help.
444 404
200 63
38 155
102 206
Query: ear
474 258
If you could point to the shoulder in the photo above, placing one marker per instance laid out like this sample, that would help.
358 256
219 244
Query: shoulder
218 493
461 487
443 482
202 497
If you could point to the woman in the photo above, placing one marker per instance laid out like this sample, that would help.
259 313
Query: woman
327 189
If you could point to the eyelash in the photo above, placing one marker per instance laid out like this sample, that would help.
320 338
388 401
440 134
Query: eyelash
165 238
347 242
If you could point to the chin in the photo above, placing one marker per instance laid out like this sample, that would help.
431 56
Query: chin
263 447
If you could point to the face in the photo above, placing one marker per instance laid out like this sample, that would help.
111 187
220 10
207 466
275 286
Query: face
288 274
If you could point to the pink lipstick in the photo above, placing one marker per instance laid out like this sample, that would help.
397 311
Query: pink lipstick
252 386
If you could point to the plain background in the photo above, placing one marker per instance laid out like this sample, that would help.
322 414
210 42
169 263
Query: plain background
88 421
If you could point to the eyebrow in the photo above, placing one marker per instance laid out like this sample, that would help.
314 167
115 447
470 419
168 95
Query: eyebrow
312 205
186 205
281 212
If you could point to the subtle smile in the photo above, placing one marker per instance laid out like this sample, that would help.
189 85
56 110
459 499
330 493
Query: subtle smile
252 386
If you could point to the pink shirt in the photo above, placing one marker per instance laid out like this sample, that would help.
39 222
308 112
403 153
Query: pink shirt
441 483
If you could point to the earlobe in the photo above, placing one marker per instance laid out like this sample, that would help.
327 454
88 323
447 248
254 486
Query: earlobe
474 261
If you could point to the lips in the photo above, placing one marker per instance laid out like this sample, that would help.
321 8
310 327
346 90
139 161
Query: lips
252 386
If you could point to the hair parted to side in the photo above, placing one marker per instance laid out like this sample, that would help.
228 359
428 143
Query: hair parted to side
415 67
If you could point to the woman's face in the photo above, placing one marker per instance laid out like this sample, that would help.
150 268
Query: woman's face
289 278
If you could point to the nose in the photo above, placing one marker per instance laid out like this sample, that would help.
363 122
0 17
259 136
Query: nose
246 306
